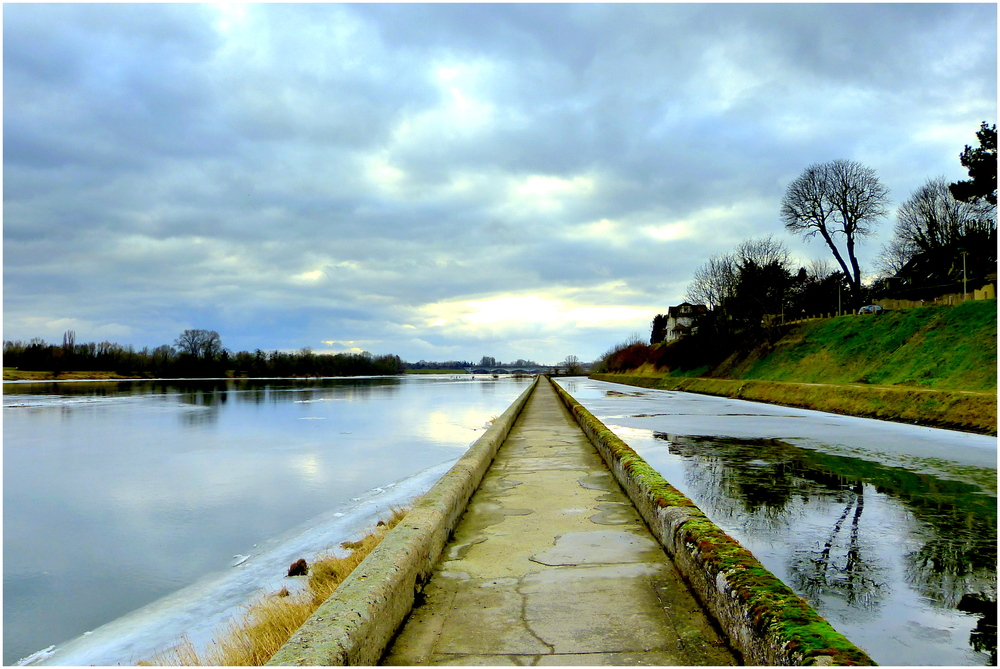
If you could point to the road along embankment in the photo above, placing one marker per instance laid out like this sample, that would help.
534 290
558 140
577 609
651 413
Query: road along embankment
354 626
953 409
762 617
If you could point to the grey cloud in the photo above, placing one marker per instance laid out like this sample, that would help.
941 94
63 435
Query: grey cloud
120 85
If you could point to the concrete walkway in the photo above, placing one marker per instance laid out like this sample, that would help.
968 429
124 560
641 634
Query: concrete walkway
551 565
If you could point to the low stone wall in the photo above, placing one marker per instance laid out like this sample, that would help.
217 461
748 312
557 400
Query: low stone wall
763 618
987 292
355 625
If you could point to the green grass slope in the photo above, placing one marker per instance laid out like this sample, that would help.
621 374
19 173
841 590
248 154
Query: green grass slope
940 347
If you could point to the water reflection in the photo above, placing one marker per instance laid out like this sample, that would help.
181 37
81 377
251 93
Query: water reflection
118 493
208 396
205 392
837 556
839 564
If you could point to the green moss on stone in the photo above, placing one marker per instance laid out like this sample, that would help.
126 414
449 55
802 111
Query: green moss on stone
773 607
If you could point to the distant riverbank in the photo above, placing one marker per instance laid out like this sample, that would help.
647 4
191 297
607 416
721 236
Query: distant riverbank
14 374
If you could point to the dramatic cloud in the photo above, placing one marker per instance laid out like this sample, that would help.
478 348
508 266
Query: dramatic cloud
443 181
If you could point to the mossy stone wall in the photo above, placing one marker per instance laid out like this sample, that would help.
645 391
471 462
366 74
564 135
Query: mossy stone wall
763 618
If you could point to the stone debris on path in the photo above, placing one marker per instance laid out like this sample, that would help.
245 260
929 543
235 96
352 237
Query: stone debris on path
552 565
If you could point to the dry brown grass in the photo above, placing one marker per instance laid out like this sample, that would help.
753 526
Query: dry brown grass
14 374
270 621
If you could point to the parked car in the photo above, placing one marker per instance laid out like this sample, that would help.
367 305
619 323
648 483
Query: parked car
871 309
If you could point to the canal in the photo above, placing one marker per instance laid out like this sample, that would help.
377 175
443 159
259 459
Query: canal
888 530
138 512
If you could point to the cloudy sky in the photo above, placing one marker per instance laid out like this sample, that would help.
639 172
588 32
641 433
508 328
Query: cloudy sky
443 181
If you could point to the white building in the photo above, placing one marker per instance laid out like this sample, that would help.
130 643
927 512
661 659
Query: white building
682 320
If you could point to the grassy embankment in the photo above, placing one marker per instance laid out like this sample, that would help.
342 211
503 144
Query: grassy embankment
932 365
270 621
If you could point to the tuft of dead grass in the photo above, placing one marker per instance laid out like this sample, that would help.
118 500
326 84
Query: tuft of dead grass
269 621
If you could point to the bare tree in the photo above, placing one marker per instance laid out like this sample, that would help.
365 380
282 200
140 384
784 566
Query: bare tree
932 221
842 198
932 218
572 364
205 344
719 278
714 281
894 256
819 269
762 251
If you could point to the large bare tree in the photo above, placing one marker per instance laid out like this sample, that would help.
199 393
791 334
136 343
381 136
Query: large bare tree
839 199
204 344
932 218
936 230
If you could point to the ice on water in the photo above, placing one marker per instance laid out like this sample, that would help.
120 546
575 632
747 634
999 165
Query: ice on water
198 611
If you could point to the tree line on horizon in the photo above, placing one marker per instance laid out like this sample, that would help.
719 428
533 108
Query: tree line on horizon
195 353
200 353
944 240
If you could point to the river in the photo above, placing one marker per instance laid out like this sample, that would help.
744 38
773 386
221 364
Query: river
888 530
138 512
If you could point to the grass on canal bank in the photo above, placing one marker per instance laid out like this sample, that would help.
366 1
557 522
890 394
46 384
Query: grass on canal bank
939 347
269 621
934 365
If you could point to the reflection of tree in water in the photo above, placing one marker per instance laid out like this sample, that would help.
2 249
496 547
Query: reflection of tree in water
209 392
984 638
763 482
767 479
958 555
736 483
837 566
209 396
956 567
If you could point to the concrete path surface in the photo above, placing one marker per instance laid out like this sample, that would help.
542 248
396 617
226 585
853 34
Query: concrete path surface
552 565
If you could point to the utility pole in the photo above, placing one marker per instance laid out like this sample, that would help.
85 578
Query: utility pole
965 278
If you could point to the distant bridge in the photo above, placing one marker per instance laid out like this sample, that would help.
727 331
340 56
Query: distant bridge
510 370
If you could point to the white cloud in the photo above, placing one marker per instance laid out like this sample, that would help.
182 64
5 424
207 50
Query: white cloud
559 311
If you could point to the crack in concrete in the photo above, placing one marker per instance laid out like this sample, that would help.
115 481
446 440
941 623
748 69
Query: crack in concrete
524 616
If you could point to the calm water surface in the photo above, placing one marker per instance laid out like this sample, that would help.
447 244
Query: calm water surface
899 553
119 493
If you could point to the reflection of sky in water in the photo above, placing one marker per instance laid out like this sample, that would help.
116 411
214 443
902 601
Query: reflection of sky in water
118 493
901 561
